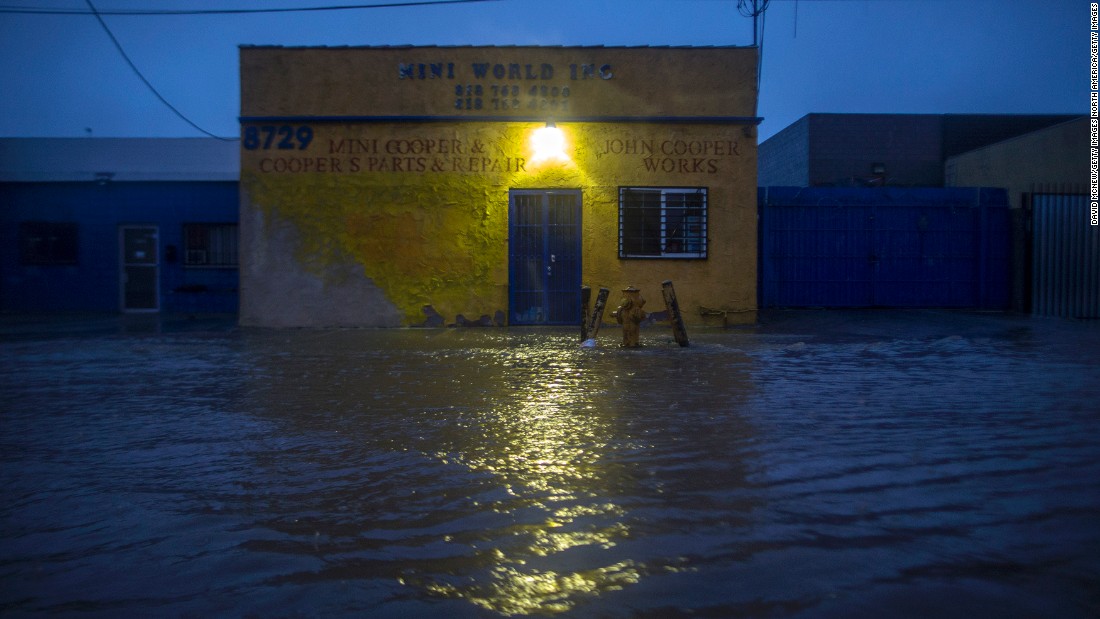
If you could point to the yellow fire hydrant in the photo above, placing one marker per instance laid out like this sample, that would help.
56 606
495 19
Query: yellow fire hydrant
630 315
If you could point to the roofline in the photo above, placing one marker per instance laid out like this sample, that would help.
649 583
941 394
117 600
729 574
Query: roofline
698 120
1068 115
102 138
1029 135
138 159
411 46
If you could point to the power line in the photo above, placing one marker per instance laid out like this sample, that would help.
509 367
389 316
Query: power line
757 10
92 10
126 57
170 12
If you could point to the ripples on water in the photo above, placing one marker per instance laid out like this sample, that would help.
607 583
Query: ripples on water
820 469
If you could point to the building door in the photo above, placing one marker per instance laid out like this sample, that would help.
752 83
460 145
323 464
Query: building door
138 268
544 256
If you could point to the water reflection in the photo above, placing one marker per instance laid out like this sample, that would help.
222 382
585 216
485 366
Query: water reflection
848 465
545 438
516 471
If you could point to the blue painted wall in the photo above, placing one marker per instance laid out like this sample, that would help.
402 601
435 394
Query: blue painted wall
884 247
93 284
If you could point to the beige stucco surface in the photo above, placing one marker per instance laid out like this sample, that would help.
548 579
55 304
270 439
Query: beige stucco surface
1052 160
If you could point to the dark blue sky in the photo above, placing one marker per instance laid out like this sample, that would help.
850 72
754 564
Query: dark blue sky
63 77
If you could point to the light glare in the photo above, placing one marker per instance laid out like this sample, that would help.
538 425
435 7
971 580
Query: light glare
548 144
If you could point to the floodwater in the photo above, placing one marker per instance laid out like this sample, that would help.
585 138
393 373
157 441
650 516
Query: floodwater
820 464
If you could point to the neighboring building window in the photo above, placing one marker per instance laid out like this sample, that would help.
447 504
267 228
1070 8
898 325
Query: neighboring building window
210 245
47 243
662 222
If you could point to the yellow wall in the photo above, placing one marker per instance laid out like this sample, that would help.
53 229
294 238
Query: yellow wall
362 220
400 81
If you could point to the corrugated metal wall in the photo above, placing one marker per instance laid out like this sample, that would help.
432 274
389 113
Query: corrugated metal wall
884 247
1065 269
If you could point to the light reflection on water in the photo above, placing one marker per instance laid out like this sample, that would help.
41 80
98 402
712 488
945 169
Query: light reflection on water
545 432
829 468
545 440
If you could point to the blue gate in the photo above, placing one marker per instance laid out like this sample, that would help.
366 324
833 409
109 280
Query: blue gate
883 247
544 256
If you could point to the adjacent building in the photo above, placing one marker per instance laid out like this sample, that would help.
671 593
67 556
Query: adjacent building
1052 160
1056 241
898 208
884 150
118 225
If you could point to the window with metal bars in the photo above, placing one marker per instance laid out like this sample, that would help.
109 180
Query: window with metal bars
662 222
210 245
44 243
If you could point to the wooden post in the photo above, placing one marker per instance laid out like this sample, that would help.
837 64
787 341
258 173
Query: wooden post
597 313
586 299
674 317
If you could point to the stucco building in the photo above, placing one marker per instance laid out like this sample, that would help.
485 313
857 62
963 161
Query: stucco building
118 225
1050 160
1056 247
389 186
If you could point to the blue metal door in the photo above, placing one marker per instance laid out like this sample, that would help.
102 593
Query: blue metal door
818 255
928 255
544 256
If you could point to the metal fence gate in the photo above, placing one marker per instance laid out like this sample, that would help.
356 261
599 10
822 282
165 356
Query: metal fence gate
1065 265
883 247
544 256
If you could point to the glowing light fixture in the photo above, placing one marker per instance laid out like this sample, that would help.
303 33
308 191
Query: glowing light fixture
548 144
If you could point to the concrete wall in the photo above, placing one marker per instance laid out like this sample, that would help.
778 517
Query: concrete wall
390 192
963 133
785 157
844 148
1054 159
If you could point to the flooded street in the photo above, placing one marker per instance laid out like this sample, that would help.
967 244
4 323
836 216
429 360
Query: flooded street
820 464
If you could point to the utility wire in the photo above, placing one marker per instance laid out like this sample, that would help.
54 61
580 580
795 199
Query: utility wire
169 12
756 9
126 57
92 10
